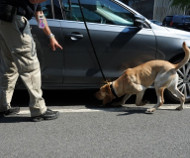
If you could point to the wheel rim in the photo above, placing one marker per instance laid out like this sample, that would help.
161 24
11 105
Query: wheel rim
184 80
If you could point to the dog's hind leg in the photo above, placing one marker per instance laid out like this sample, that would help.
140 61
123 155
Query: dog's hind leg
161 82
174 90
177 93
160 99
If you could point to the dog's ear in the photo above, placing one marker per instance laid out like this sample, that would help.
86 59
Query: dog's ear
101 94
104 94
108 97
108 89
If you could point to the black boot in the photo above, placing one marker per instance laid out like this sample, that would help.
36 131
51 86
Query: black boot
48 115
11 111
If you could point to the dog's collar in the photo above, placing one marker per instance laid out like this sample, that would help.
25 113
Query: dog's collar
113 91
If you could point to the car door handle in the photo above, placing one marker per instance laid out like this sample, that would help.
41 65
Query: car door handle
75 36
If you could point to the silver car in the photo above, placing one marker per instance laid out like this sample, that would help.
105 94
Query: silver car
118 38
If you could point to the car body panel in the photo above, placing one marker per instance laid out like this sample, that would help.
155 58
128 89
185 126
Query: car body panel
51 62
117 47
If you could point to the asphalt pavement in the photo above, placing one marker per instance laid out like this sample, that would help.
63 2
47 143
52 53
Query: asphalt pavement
84 130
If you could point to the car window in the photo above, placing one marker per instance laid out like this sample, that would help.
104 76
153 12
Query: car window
48 9
57 10
98 11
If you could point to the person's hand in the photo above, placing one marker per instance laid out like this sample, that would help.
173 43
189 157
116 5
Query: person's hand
54 44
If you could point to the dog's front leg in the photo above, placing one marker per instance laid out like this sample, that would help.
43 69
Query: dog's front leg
139 97
122 101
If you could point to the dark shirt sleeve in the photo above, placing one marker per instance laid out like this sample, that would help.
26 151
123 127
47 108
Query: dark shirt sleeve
12 2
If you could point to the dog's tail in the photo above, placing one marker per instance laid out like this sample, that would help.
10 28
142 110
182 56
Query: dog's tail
185 59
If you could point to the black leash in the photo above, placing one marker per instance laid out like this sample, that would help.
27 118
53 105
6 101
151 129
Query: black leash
92 42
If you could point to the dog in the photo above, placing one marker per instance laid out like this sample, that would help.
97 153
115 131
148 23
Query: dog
161 73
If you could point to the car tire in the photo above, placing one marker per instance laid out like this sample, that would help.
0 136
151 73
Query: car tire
183 83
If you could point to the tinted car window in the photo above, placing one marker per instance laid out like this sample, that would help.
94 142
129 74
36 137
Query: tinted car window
57 10
50 7
167 20
98 11
46 7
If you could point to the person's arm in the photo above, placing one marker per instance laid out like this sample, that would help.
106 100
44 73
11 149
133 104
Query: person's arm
53 42
36 1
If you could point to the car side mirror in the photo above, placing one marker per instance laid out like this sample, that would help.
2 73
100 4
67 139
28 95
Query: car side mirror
139 21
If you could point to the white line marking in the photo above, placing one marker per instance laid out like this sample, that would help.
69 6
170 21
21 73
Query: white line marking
80 110
22 112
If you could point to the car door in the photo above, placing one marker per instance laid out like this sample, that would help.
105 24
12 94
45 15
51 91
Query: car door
119 44
51 61
78 54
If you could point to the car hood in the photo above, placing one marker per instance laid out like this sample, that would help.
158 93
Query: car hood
170 32
178 32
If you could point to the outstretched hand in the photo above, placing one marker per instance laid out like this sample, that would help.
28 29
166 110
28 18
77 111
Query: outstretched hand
54 44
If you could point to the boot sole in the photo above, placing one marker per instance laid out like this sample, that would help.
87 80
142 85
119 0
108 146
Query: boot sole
39 119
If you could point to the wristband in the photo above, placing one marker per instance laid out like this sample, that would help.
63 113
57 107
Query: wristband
51 35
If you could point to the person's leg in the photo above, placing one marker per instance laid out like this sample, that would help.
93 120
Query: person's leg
24 55
25 58
9 76
29 71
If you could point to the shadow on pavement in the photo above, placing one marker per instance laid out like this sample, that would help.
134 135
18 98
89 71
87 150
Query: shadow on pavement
14 119
71 97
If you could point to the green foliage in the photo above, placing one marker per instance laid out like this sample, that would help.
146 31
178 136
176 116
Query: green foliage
183 4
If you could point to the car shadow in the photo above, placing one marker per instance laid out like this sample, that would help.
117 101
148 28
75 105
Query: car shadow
14 119
70 97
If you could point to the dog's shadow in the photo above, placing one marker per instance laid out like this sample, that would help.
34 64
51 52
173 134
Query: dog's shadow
134 110
125 110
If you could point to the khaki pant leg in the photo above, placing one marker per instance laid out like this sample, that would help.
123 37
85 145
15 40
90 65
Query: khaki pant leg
23 51
9 76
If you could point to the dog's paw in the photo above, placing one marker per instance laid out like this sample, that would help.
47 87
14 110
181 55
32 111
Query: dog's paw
151 110
116 105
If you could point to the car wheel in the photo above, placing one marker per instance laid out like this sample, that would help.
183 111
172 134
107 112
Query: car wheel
183 83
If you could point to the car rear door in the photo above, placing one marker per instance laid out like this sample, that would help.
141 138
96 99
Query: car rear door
79 60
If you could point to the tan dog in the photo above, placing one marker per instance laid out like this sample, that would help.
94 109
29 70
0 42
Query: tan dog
136 80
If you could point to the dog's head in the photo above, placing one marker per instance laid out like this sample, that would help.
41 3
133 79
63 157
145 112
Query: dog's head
105 94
